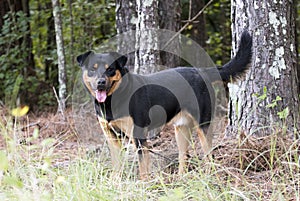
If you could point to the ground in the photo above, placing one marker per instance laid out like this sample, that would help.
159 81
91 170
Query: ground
257 162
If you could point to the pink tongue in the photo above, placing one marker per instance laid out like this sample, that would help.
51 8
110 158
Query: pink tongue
100 96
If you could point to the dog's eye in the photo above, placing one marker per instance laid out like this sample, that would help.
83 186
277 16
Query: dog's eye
110 71
91 72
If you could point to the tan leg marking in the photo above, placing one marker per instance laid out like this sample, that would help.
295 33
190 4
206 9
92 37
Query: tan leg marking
114 144
144 162
182 135
205 142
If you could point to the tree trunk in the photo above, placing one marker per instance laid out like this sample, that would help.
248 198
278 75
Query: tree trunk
198 31
147 57
126 18
169 18
72 40
62 77
51 75
267 100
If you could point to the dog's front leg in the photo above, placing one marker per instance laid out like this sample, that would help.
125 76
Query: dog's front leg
140 141
114 145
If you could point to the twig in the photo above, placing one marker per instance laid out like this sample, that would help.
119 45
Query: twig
190 10
59 104
188 22
30 125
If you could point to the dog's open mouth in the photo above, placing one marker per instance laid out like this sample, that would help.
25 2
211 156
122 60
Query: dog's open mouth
100 95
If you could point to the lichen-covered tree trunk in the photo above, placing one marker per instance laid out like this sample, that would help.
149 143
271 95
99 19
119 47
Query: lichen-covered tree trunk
62 77
267 100
147 58
126 18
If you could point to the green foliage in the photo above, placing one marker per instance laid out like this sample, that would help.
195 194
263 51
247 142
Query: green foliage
86 24
274 102
219 31
263 96
13 67
217 28
284 113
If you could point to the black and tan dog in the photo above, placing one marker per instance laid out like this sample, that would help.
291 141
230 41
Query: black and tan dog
135 104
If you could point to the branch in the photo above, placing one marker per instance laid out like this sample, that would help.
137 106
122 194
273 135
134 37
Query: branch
189 21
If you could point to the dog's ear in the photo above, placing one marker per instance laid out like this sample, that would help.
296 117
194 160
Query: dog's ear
120 59
81 58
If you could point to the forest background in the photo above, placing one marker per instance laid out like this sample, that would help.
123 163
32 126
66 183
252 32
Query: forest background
48 156
28 52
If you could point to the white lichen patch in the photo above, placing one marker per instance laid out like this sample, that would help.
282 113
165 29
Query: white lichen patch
279 52
273 20
134 20
257 60
233 91
148 3
278 63
277 21
274 71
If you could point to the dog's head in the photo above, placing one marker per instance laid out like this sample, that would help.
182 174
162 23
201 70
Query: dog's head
102 73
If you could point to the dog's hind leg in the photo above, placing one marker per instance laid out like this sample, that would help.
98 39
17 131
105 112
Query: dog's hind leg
141 145
182 135
205 139
143 157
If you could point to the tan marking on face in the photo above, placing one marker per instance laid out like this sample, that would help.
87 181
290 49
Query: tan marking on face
87 81
117 78
106 66
95 66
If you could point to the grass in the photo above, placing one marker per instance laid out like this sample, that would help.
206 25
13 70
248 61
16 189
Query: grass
246 169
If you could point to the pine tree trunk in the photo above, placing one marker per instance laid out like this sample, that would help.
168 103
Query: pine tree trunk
169 18
62 77
198 32
267 100
126 18
147 57
72 39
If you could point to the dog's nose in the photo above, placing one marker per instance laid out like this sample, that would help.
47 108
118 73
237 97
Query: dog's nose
101 81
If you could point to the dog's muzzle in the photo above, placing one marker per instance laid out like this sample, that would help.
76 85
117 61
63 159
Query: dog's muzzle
101 85
101 90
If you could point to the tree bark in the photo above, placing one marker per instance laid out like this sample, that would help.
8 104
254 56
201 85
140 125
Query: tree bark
72 39
169 18
147 58
62 77
126 18
51 74
267 100
198 31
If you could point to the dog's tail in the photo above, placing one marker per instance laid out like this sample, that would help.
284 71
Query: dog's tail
238 65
